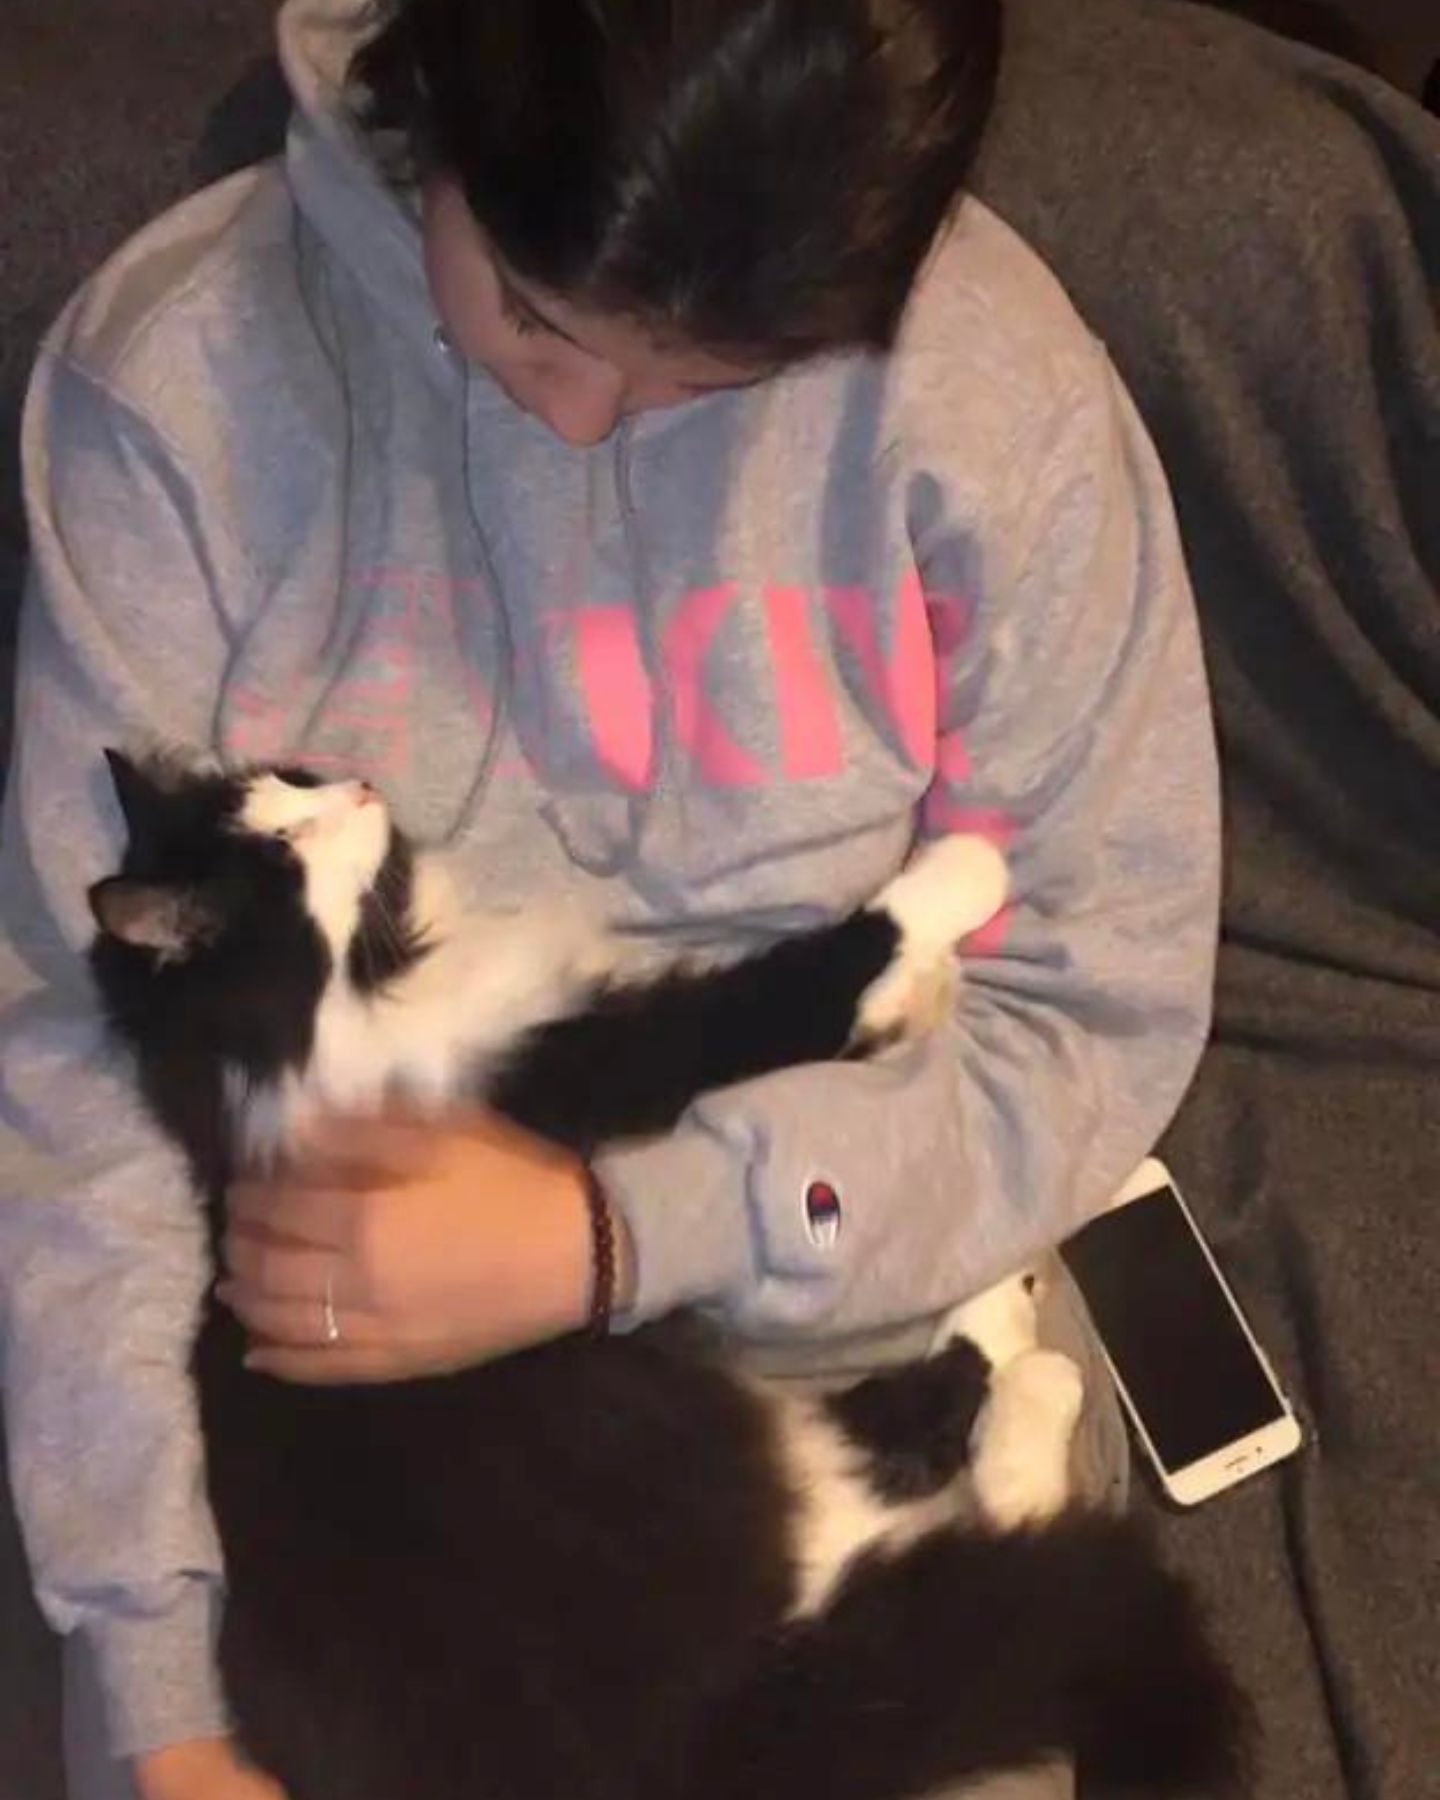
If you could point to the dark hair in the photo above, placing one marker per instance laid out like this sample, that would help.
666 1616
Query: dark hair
762 177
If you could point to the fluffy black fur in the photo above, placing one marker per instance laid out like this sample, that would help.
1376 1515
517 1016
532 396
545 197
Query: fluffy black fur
635 1058
969 1653
568 1573
916 1421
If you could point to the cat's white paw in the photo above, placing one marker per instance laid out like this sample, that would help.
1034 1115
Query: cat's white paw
1020 1447
909 1000
948 889
1001 1322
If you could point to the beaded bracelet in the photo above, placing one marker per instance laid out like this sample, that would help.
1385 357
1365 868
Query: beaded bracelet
602 1255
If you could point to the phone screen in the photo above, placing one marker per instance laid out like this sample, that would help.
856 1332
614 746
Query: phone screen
1170 1330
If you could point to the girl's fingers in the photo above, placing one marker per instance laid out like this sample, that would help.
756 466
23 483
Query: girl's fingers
344 1364
279 1269
375 1151
321 1217
303 1324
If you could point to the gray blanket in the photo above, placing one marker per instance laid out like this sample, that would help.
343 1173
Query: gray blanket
1255 232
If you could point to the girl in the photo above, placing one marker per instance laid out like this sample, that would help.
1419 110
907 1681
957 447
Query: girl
611 431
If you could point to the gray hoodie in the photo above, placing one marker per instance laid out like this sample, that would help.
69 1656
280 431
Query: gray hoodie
714 671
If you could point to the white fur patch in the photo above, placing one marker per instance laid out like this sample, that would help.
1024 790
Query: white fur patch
428 1035
264 1115
1020 1450
950 888
491 977
838 1515
1001 1322
340 831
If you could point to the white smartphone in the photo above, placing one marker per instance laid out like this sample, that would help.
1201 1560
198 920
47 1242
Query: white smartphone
1204 1401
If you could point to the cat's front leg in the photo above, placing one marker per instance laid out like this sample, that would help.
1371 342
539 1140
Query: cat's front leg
949 889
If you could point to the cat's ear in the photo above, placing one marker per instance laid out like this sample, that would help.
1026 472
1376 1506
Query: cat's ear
171 921
142 798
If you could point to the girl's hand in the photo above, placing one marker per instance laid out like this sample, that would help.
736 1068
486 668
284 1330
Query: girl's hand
203 1769
400 1247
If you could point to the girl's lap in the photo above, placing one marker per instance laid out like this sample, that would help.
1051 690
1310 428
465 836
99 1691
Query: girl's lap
1099 1473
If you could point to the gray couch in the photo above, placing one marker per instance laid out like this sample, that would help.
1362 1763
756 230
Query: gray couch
1311 1144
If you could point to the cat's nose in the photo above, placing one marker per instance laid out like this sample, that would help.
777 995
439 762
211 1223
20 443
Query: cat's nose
365 795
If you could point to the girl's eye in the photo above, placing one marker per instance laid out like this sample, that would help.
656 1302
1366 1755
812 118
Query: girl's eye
520 322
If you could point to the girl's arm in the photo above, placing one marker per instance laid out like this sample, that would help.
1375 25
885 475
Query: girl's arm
101 1255
1074 727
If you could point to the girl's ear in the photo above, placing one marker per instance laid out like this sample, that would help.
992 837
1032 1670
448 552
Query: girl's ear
170 921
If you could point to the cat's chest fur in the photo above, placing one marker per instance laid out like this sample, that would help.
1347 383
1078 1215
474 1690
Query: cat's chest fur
430 1034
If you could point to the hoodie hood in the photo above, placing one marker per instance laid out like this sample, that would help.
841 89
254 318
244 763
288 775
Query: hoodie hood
368 225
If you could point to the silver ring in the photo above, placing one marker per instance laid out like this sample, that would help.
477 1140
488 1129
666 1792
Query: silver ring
330 1316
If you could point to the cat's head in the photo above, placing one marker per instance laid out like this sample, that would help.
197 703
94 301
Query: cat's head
240 895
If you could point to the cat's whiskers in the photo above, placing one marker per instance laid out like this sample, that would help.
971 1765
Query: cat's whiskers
382 917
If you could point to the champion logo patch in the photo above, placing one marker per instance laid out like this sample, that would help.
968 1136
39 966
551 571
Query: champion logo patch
822 1213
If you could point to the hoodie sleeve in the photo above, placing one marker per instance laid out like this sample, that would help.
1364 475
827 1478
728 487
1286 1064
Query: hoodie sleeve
1073 727
101 1251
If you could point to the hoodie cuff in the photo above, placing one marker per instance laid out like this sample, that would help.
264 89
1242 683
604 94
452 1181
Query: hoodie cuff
158 1672
682 1199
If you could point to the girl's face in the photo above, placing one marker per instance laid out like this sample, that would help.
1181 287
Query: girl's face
579 372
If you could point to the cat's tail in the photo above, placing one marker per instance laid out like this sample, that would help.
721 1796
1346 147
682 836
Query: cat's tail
971 1653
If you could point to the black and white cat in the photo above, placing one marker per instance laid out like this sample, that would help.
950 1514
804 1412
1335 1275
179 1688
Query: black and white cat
618 1570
